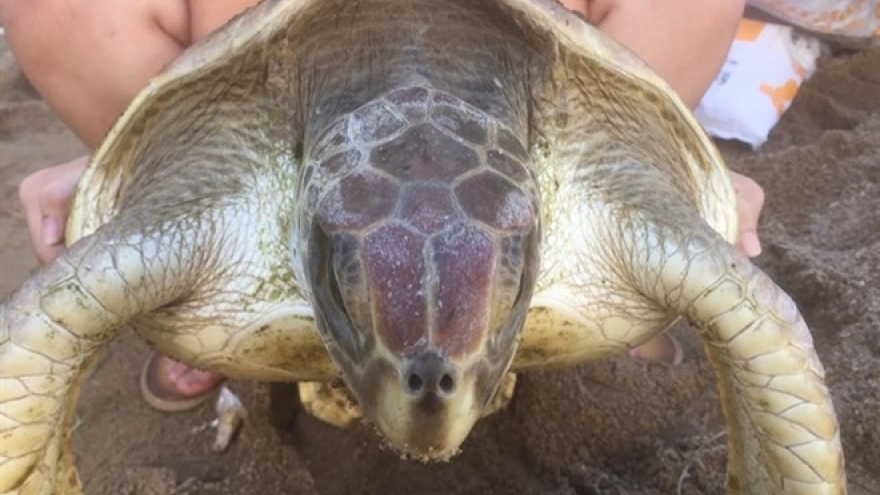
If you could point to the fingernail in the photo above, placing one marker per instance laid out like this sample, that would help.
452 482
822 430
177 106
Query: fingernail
750 243
52 232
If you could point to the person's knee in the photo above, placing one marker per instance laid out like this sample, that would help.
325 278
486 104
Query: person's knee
88 58
31 25
12 11
720 22
40 33
727 13
723 14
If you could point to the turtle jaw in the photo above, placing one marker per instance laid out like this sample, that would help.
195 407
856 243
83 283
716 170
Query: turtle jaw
426 405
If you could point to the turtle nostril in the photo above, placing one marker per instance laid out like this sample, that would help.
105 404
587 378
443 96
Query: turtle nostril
447 384
429 374
415 383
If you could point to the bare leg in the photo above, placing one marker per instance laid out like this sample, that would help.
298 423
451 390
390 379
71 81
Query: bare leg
685 41
88 59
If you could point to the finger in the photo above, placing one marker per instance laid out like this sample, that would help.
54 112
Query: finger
45 196
57 192
750 202
51 239
55 206
29 196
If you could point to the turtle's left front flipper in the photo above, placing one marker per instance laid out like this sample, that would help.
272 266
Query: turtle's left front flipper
783 433
50 331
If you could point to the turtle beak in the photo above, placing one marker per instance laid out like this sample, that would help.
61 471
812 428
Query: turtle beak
426 404
426 407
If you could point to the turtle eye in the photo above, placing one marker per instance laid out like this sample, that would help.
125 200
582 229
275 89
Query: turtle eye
529 269
349 281
335 293
514 260
523 288
333 321
519 256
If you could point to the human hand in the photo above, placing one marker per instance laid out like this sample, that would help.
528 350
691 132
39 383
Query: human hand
45 196
750 202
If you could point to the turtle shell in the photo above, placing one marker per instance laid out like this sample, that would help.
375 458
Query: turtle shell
557 34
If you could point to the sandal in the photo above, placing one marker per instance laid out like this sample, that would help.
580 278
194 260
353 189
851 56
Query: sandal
162 399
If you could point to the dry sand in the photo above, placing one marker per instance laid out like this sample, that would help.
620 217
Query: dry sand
616 427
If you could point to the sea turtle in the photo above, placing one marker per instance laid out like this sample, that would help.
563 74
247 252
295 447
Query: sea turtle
364 189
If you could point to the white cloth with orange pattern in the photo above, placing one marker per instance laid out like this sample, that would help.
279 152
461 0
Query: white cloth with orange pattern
768 63
843 18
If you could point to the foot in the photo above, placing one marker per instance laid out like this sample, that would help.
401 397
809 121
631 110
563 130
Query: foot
502 396
331 402
170 386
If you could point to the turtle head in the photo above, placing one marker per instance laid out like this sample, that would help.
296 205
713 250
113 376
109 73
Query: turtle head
422 259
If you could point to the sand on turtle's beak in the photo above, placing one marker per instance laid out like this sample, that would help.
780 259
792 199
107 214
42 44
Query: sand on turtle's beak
426 405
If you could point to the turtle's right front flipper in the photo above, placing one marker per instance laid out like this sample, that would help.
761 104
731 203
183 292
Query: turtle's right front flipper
51 328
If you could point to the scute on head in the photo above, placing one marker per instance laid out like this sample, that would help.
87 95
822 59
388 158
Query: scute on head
357 202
